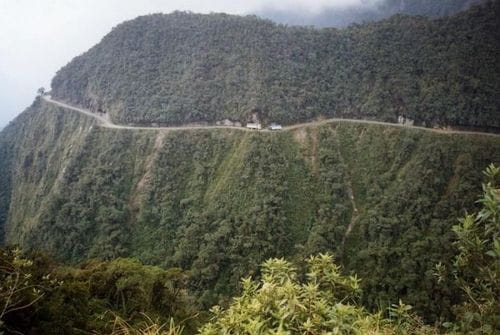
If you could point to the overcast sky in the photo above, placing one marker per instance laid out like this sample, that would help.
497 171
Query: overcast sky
39 37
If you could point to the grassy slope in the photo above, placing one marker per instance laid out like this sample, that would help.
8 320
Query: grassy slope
219 202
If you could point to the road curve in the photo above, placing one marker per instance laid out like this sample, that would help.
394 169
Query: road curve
103 122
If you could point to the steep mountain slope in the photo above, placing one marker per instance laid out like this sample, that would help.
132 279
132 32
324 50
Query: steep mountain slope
184 67
218 202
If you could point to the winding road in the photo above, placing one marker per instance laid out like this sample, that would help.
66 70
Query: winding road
103 122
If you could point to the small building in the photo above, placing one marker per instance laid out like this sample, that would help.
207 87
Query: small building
255 126
275 126
405 121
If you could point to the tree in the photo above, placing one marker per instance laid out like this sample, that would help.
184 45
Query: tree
41 91
324 304
18 289
476 268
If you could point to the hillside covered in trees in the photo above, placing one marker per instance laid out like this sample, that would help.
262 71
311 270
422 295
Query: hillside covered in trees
220 202
185 67
121 228
123 296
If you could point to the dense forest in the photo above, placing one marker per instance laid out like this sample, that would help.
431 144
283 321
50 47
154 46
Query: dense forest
124 296
323 228
185 67
220 202
92 297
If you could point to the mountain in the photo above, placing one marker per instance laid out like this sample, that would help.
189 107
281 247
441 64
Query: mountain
184 67
367 11
218 202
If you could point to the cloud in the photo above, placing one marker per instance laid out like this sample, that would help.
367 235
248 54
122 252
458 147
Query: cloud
313 7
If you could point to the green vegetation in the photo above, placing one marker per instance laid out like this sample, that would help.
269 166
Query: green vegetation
5 188
185 67
38 296
324 304
218 203
475 272
125 297
156 225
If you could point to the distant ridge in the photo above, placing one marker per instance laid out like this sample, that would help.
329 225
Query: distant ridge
368 11
182 67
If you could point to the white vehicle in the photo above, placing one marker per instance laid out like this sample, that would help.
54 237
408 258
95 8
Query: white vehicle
275 126
256 126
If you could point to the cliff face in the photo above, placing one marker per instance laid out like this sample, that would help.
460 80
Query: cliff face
34 151
181 67
218 202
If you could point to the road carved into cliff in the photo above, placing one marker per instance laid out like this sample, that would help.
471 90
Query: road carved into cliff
104 122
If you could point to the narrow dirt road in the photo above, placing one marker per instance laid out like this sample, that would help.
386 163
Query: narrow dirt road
103 122
108 124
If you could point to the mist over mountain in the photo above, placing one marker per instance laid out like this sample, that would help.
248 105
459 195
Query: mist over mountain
368 10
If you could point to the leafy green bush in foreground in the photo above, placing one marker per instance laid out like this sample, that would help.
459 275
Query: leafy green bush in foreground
325 303
476 269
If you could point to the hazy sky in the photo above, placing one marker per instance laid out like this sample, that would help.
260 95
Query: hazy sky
39 37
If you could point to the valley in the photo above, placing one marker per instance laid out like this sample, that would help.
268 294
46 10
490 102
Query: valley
221 201
219 174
